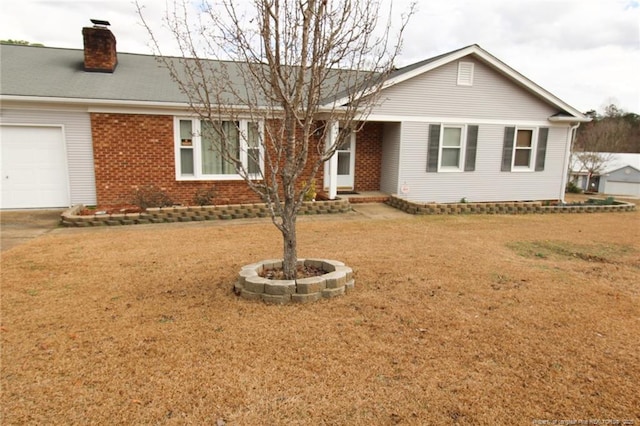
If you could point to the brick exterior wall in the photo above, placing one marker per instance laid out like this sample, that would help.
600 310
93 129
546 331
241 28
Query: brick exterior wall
134 150
368 162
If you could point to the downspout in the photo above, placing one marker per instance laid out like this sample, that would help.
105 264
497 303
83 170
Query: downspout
567 155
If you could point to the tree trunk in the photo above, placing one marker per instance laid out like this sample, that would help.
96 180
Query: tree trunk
289 211
289 238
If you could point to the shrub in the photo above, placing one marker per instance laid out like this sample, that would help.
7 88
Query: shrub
150 196
310 194
609 201
573 188
204 196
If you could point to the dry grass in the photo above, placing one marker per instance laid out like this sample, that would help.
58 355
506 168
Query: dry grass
454 320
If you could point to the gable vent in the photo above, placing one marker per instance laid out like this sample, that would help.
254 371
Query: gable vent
465 73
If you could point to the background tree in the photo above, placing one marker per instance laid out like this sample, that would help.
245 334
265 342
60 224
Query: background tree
21 43
614 131
297 66
593 163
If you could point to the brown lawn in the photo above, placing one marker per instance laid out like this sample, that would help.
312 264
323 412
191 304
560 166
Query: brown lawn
472 320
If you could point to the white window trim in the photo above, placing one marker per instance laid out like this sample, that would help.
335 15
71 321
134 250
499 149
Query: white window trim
534 146
197 151
470 67
463 146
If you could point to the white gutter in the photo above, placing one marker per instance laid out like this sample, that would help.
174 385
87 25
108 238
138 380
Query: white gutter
569 119
86 101
567 155
113 103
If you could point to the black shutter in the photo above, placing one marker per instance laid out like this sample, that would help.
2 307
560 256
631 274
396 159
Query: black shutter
472 144
434 146
541 149
507 148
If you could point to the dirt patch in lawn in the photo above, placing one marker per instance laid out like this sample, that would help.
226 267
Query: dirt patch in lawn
606 253
448 324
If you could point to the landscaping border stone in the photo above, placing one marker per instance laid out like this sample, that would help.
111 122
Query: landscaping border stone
337 280
527 207
72 218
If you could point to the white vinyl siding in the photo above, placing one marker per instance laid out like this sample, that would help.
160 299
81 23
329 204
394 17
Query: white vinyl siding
437 94
390 158
487 182
79 148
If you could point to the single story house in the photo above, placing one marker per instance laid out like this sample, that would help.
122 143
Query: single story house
90 125
620 174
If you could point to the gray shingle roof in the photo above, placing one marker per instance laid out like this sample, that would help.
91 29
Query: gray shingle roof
398 72
56 72
53 72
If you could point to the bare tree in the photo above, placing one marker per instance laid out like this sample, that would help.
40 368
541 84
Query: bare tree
593 163
608 133
293 68
599 138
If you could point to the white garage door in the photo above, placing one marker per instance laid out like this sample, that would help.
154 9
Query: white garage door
622 188
34 167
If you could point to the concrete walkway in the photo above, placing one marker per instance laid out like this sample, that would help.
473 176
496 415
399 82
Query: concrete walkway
379 211
19 226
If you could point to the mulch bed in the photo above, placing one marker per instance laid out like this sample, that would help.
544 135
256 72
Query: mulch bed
108 210
469 320
302 271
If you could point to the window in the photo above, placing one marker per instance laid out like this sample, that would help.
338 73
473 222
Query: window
213 160
199 149
253 149
452 148
186 147
524 149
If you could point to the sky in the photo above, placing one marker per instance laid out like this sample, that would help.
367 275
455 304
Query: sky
586 52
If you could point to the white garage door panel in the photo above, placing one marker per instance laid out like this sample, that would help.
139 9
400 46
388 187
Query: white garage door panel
34 167
623 188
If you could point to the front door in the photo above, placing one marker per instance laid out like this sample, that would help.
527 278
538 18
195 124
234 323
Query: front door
346 153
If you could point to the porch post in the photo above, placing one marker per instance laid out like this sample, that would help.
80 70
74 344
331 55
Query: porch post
330 140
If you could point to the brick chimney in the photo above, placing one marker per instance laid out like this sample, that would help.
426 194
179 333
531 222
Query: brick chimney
99 47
